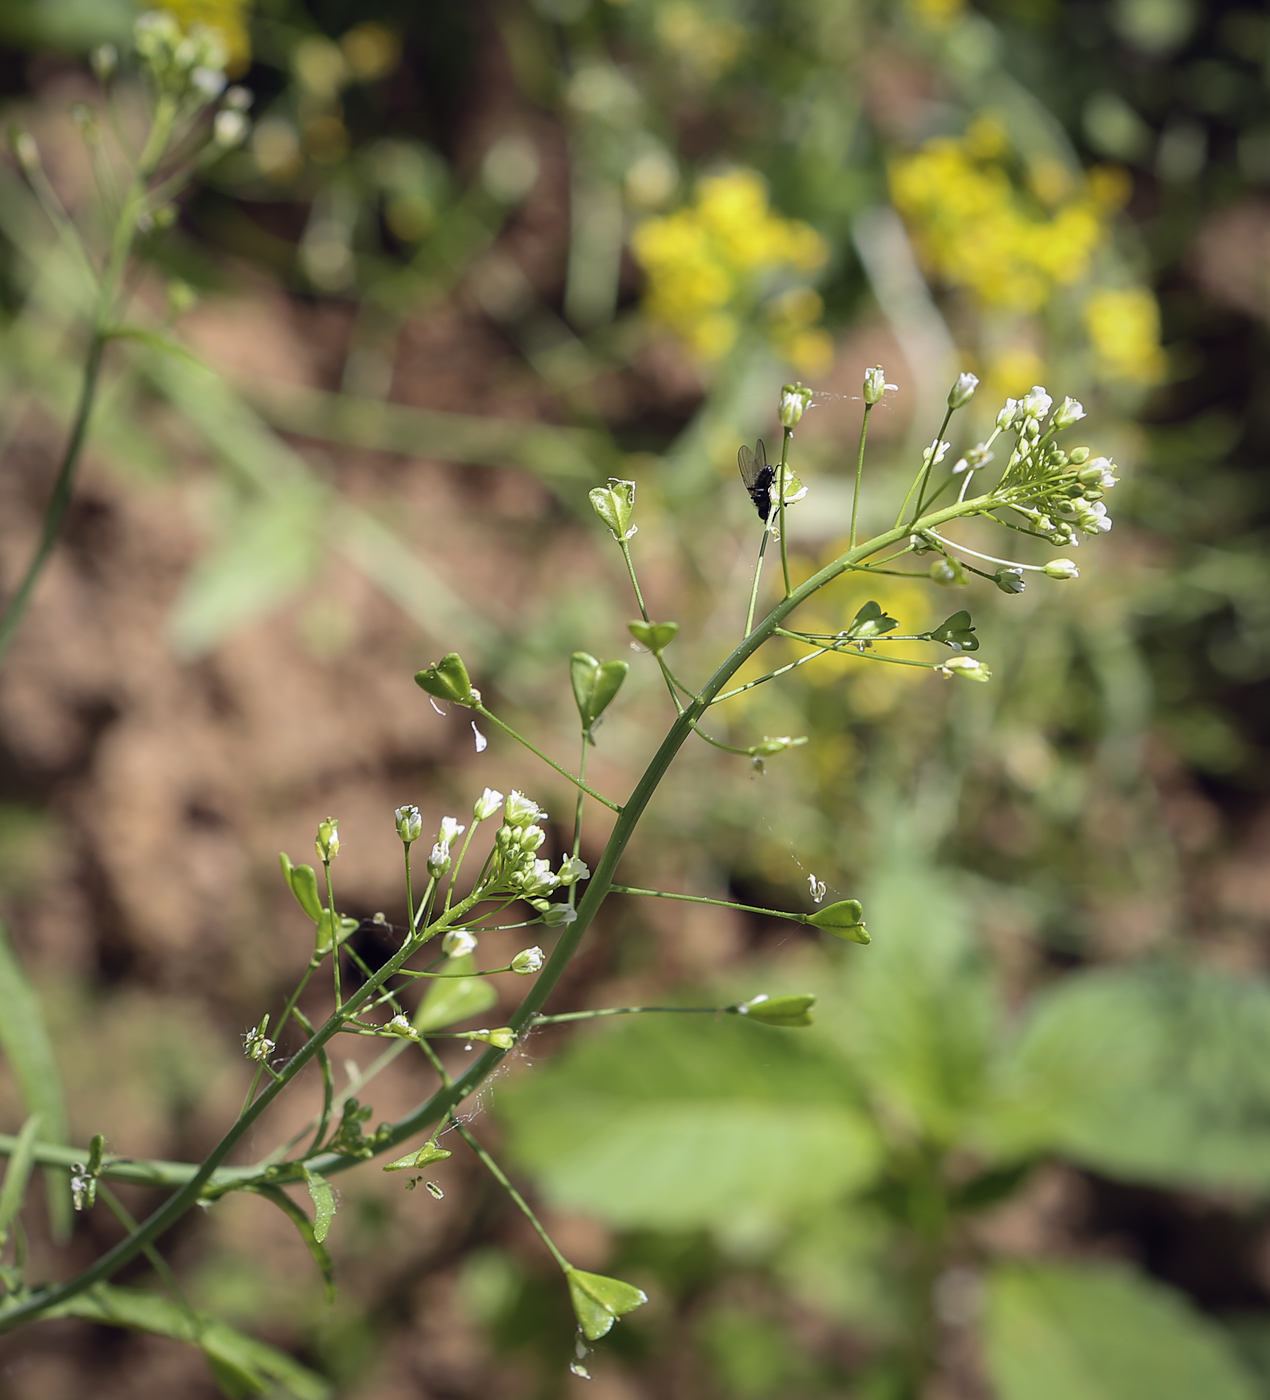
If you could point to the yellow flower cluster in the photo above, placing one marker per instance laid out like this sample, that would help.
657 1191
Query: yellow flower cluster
977 229
710 264
1124 329
227 17
706 46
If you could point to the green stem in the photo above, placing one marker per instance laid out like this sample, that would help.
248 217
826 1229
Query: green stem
550 762
630 569
919 483
500 1176
627 1011
721 903
859 472
758 574
781 477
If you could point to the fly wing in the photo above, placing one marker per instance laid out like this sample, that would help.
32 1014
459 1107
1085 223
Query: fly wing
748 464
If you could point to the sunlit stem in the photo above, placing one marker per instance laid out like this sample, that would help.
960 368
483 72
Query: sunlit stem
335 932
758 574
782 475
501 1177
721 903
859 472
630 569
771 676
410 894
919 483
627 1011
458 860
550 762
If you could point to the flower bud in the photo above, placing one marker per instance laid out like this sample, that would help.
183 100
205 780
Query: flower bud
487 804
1070 411
769 746
555 915
528 960
104 60
207 83
502 1038
448 680
935 453
1036 404
458 943
520 811
613 504
875 385
1079 456
328 839
967 668
438 860
793 1010
1009 580
229 128
948 573
1061 568
572 870
1005 419
25 151
963 390
409 823
400 1026
450 831
793 404
237 99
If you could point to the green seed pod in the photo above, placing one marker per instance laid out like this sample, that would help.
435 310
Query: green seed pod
599 1301
613 504
425 1156
844 920
656 636
791 1010
448 680
303 884
595 685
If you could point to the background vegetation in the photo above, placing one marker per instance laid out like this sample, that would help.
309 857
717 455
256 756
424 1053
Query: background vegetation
470 260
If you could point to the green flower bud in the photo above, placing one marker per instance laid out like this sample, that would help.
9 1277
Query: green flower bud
527 961
656 636
458 943
1079 456
613 504
948 573
555 915
413 1161
487 804
303 884
503 1038
595 684
448 680
793 404
400 1026
963 390
1009 580
1061 568
599 1301
521 812
967 668
328 839
793 1010
767 746
875 385
844 920
105 62
409 823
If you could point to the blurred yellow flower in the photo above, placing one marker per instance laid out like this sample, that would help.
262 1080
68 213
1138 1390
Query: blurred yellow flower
1124 329
710 264
227 17
706 46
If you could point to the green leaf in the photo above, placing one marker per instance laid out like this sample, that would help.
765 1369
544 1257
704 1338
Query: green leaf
921 1018
1084 1332
302 881
956 632
452 999
269 549
871 621
323 1196
304 1225
599 1301
26 1044
17 1173
673 1124
415 1161
241 1364
1156 1074
656 636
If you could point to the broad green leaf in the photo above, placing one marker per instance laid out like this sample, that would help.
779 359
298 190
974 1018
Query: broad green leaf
669 1123
25 1043
922 1009
269 549
241 1365
305 1227
1085 1332
323 1196
1157 1074
452 999
17 1173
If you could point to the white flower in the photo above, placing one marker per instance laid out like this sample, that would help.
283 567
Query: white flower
521 811
817 888
409 823
208 83
400 1026
487 804
963 390
557 915
967 668
935 453
875 385
450 829
438 861
1061 568
572 870
1005 419
1068 412
229 128
458 943
528 960
1036 404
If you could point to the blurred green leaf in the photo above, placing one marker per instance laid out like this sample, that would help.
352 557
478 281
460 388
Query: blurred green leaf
1158 1074
452 999
672 1125
240 1364
17 1173
25 1043
1082 1332
304 1225
322 1194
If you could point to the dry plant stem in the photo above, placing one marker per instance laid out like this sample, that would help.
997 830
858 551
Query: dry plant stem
212 1178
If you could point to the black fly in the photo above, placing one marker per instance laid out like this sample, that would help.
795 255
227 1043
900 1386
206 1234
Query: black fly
758 477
